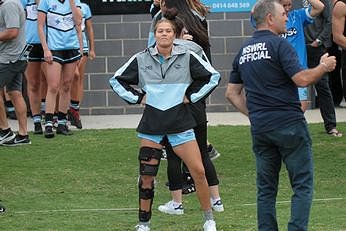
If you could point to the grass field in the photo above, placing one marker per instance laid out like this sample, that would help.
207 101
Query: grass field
88 182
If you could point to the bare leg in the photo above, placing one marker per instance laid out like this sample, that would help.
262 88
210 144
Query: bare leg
64 93
190 154
3 119
33 76
20 108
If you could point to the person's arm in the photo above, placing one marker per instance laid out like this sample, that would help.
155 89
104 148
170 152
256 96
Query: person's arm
76 13
307 77
235 95
123 79
324 35
9 34
11 23
90 34
316 7
205 78
77 18
338 24
155 8
41 20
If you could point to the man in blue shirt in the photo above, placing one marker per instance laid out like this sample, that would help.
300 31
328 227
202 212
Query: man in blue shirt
268 69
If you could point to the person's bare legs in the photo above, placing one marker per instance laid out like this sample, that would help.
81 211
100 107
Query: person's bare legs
214 191
21 110
53 78
68 71
147 181
33 77
177 195
190 154
3 119
304 105
77 88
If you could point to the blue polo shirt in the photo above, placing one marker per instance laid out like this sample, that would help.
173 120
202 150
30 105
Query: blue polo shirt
265 65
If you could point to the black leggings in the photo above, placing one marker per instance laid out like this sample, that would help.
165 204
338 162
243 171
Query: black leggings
174 165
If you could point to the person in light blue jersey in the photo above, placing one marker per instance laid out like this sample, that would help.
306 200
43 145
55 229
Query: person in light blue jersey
33 72
77 88
62 47
297 20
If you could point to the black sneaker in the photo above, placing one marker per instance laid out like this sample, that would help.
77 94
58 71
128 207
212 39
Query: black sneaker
2 209
74 118
6 136
188 188
38 128
63 130
48 132
18 140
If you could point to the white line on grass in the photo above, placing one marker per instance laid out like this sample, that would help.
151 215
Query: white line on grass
315 200
77 210
135 209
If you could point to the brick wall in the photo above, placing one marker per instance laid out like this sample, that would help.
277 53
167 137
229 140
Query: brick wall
118 37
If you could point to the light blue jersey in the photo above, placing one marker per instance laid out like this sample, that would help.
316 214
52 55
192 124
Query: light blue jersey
297 19
31 33
61 32
86 16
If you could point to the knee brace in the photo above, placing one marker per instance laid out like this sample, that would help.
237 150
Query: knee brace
145 194
144 216
146 154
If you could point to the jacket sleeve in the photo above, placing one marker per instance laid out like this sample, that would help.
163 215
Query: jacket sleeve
204 79
122 80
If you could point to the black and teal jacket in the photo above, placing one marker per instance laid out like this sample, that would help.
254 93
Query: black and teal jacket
165 83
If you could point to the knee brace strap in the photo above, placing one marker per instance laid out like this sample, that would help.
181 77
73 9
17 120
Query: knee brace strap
148 169
145 193
148 153
144 216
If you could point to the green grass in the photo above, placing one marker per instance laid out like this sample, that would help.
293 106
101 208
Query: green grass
88 182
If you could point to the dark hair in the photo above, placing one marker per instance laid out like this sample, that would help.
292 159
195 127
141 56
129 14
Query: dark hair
192 22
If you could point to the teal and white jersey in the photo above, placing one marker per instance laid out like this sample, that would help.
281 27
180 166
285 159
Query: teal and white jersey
31 33
86 16
61 33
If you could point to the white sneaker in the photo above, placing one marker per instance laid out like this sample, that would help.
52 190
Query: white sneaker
171 208
209 225
142 228
217 206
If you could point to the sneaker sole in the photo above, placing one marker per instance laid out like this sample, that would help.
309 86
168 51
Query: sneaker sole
215 157
17 144
170 212
49 136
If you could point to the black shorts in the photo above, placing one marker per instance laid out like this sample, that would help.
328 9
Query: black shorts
66 56
36 54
